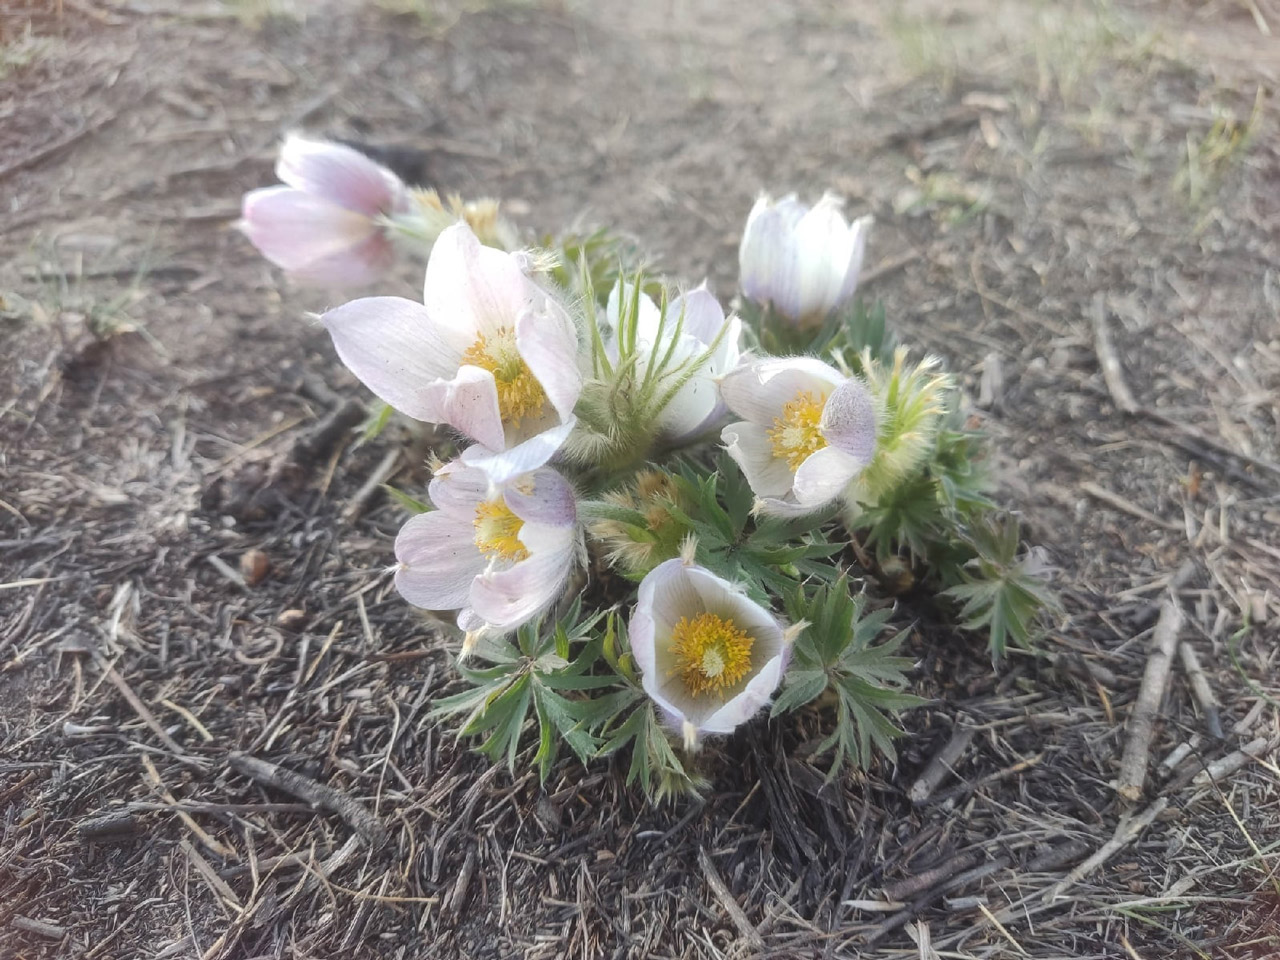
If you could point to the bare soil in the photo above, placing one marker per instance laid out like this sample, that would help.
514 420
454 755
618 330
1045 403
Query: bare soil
1038 173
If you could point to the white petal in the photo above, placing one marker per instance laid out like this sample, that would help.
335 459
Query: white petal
476 289
768 262
501 466
458 489
857 250
439 561
468 402
821 239
396 349
738 709
508 598
758 391
340 174
702 313
752 450
823 476
294 229
849 420
549 345
542 497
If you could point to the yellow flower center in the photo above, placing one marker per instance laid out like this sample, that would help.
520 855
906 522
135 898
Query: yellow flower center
519 392
796 434
498 531
712 653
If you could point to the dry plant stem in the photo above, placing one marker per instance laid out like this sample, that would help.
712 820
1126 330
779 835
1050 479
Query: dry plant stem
943 762
326 798
139 707
1201 690
1127 830
320 441
1133 765
1112 371
41 929
1225 766
381 474
726 898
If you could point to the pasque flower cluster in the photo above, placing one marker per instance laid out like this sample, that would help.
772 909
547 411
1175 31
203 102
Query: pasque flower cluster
566 404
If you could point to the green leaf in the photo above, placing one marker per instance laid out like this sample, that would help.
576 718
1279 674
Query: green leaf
407 502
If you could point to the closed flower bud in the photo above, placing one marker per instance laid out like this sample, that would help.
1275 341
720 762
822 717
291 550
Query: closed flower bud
803 262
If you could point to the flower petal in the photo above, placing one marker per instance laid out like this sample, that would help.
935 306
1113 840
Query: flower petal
458 489
857 247
396 350
823 476
821 237
752 450
508 598
473 288
503 465
354 267
341 175
758 391
849 420
542 497
439 561
738 709
293 229
768 262
468 402
548 343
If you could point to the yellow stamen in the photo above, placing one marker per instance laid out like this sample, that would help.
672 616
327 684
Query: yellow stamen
498 531
712 653
519 392
796 434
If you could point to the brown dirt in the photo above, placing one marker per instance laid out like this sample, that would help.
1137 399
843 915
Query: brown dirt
1026 165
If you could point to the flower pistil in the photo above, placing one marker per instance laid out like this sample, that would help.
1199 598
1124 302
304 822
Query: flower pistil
712 653
520 394
797 433
498 531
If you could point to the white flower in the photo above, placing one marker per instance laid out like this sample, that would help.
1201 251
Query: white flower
702 325
488 352
709 657
325 226
807 431
498 556
805 262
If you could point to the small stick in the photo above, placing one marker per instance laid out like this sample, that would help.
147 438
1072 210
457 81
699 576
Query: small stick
50 931
1180 753
381 474
1201 690
1133 765
721 891
943 762
911 886
320 441
1147 613
1112 371
326 798
1127 830
1225 766
113 826
139 707
1124 505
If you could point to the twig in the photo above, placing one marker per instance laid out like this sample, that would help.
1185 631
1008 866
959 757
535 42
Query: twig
114 826
139 707
326 798
1127 830
1124 505
1201 690
50 931
381 473
943 762
1225 766
911 886
321 440
1133 765
1112 371
721 891
1146 614
52 149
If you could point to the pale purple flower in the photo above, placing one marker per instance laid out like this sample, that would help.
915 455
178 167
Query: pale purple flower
807 431
500 555
702 325
805 262
488 352
709 656
326 226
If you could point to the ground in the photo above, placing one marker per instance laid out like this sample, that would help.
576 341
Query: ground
1054 185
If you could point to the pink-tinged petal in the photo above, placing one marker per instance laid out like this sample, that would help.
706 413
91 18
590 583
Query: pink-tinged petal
439 560
857 248
746 704
356 267
468 402
702 313
508 598
503 465
758 391
823 476
849 420
458 490
752 450
341 175
293 229
395 349
542 497
474 288
549 345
